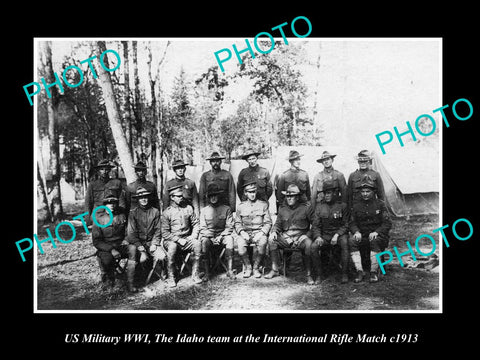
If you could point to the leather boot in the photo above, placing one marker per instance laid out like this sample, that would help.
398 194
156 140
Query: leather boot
359 276
130 276
229 258
256 273
274 256
317 268
308 267
206 262
103 272
171 275
196 264
247 267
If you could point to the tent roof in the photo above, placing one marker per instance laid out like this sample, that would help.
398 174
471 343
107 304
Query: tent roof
413 168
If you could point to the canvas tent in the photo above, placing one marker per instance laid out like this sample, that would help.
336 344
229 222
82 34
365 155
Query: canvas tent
410 174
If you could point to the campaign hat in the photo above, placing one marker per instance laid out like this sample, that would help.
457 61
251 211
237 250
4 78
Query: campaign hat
175 190
140 166
294 154
178 163
105 163
363 155
215 156
250 152
292 189
326 155
250 186
141 192
213 189
329 185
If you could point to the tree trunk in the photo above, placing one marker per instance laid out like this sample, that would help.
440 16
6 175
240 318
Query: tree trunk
44 207
114 118
56 196
128 113
138 104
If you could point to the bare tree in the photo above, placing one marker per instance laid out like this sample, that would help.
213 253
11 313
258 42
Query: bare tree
56 207
114 118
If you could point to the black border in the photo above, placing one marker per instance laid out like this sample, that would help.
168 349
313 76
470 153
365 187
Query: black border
436 331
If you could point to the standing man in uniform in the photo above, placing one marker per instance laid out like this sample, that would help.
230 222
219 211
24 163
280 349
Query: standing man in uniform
254 172
141 172
190 194
370 225
362 174
292 230
331 175
143 232
330 229
222 178
293 176
180 228
216 228
96 189
252 226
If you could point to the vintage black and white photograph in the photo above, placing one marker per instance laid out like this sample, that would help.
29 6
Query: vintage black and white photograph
238 175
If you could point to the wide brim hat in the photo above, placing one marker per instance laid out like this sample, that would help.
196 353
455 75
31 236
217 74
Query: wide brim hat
294 155
363 155
176 190
250 152
329 186
292 190
110 196
215 156
250 186
178 163
104 164
140 166
110 200
326 155
141 192
367 184
213 189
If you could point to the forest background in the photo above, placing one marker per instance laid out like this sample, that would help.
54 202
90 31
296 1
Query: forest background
169 100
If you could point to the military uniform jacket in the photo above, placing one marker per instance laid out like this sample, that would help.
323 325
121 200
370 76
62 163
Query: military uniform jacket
224 180
179 222
96 193
107 238
294 220
144 226
355 180
261 176
190 193
370 216
330 219
216 220
253 216
332 175
297 177
132 202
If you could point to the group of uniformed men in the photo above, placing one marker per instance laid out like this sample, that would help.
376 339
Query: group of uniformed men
331 214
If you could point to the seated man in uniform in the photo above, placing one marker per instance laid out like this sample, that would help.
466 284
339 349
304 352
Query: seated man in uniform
370 225
292 230
216 228
143 232
330 228
252 225
180 228
108 240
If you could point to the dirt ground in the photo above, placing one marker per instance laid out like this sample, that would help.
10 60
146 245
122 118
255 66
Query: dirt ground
68 278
